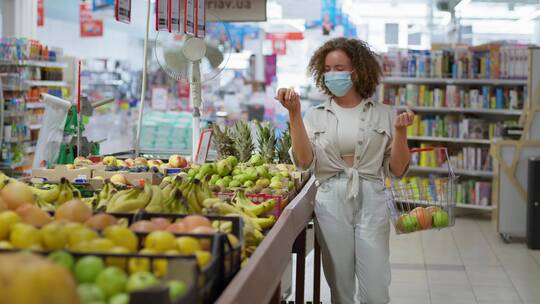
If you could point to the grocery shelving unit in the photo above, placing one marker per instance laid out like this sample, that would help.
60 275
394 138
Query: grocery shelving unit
24 90
481 112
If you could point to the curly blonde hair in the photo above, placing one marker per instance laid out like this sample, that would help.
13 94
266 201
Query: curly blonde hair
365 64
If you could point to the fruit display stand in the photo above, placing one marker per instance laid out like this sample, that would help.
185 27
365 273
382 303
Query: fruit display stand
259 280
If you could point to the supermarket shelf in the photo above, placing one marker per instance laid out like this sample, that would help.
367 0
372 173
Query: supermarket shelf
475 207
452 140
446 110
35 105
14 88
46 83
416 80
34 63
477 173
34 127
105 83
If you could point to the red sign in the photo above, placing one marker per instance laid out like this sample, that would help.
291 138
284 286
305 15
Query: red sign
89 26
40 13
286 36
279 46
92 28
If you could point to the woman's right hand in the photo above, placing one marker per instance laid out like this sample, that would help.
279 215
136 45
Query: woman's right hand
289 99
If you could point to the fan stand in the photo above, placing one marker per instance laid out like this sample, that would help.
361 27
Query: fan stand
194 51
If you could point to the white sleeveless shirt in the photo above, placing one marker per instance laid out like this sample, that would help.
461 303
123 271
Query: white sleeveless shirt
347 128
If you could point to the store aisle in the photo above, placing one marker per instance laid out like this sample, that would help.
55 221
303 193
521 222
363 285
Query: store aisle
467 264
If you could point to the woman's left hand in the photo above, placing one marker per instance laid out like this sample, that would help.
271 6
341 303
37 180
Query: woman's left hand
403 120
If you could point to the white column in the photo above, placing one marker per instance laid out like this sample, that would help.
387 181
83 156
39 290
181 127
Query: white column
19 18
536 32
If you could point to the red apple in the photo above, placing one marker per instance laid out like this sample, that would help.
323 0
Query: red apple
177 161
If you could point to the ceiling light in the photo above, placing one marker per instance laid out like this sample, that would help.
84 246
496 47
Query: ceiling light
461 5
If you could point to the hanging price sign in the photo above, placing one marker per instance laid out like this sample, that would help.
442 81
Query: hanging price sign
204 146
162 15
189 17
122 11
176 22
200 18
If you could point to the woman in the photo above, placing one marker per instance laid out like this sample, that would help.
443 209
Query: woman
350 142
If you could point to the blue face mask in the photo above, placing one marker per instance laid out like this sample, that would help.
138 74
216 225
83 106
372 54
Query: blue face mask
339 83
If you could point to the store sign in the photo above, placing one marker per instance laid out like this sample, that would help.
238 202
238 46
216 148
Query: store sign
122 11
89 27
236 10
285 36
40 13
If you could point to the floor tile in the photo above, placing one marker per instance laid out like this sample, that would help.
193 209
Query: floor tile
444 293
409 276
487 276
443 277
405 300
528 290
409 290
496 293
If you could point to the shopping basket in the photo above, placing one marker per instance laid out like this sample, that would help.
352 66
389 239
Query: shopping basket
416 203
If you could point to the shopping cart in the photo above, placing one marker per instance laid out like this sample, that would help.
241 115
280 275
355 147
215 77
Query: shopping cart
416 203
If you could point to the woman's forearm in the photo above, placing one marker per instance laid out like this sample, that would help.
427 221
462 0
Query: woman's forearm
300 141
400 156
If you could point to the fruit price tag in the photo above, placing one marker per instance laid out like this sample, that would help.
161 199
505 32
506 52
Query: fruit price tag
189 17
162 15
204 146
176 20
122 11
200 18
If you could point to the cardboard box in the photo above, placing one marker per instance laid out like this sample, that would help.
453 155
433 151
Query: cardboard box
132 177
56 174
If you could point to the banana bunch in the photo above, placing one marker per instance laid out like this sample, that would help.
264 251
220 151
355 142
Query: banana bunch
56 194
173 199
183 195
106 194
253 225
130 200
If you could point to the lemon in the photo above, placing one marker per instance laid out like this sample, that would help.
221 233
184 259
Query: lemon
160 241
100 245
203 258
187 245
7 220
53 236
122 236
81 235
24 236
140 264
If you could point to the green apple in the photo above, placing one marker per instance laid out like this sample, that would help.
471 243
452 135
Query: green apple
440 219
232 160
248 184
235 184
408 223
223 167
276 178
276 185
90 293
176 289
237 171
141 280
284 174
256 160
62 258
121 298
214 179
88 268
227 179
207 169
263 182
263 171
112 281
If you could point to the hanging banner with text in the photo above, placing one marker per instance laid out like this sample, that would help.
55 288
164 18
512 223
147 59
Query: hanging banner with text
40 13
236 10
89 27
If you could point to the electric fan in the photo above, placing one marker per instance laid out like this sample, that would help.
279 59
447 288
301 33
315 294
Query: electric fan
197 60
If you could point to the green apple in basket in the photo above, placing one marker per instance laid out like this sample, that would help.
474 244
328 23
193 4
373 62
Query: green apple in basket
440 219
407 223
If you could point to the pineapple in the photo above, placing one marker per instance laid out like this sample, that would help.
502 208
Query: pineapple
223 141
243 142
266 137
283 146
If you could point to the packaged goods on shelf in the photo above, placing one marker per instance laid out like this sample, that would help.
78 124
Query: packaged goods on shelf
456 127
489 61
452 96
467 158
473 193
14 49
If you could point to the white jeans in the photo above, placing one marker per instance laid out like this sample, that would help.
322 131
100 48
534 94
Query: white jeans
354 238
